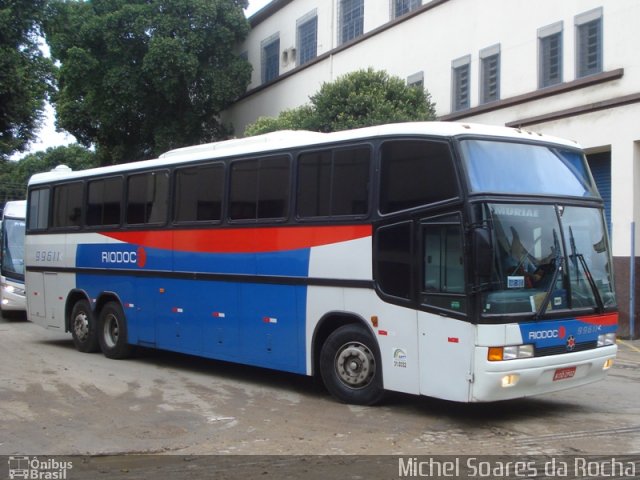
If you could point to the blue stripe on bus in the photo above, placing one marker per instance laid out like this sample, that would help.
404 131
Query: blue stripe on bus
256 324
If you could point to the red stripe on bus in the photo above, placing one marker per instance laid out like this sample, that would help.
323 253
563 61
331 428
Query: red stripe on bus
608 319
243 240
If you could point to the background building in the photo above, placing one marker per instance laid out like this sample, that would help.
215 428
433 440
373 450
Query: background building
569 68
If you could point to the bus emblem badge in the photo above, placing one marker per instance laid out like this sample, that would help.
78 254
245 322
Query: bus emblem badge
571 343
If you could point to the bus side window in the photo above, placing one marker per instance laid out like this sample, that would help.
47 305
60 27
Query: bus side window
39 209
443 283
147 195
394 259
334 183
67 205
415 173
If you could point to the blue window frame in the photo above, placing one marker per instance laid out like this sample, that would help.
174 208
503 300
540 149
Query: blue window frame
352 19
307 40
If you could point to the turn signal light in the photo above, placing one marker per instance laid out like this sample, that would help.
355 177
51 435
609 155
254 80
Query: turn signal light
511 352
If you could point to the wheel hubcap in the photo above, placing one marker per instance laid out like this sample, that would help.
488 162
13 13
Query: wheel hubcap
81 326
355 365
111 330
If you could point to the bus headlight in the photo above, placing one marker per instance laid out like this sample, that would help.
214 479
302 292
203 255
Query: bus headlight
12 289
511 352
606 339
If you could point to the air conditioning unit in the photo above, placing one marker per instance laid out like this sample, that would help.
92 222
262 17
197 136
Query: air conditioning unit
289 55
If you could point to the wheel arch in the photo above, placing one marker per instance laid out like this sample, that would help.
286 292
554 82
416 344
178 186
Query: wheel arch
104 298
74 297
329 323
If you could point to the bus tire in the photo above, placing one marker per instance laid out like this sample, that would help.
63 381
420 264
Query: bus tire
83 327
350 366
113 332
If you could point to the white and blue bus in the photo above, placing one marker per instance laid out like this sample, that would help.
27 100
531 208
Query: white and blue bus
12 298
464 262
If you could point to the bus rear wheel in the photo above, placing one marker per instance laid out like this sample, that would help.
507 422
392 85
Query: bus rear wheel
350 366
113 332
83 327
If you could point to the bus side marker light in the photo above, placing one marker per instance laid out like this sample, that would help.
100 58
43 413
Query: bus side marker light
510 380
374 321
270 320
608 364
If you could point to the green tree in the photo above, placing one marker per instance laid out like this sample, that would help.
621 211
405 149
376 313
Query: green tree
358 99
25 75
15 175
139 77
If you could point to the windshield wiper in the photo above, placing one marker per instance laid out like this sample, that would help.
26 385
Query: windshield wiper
559 260
592 284
547 296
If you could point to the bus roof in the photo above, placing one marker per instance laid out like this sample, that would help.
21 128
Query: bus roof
15 209
282 140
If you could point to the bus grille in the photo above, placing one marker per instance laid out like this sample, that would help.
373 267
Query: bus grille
560 349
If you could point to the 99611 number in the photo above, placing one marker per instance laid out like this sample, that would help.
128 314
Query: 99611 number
48 256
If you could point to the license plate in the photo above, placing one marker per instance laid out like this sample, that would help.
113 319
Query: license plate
564 373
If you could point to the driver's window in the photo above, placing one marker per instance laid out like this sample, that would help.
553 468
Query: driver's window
443 277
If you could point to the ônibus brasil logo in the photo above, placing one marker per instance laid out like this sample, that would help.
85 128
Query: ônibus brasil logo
38 468
124 257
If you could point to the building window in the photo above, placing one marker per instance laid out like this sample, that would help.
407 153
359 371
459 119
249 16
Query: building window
351 19
416 80
589 43
270 58
550 55
401 7
490 74
460 83
307 38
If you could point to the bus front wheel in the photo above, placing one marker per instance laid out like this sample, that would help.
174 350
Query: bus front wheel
84 328
113 332
350 366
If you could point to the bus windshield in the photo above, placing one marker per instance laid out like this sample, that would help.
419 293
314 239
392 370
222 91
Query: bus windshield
13 248
521 168
557 253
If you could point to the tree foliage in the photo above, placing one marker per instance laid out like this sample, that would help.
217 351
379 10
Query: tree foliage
15 175
139 77
25 75
359 99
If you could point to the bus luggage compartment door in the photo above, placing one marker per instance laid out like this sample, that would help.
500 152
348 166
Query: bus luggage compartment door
446 353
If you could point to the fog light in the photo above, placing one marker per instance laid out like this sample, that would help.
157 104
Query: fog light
606 339
510 380
608 364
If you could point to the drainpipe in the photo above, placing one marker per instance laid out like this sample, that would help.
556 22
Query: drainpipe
632 283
